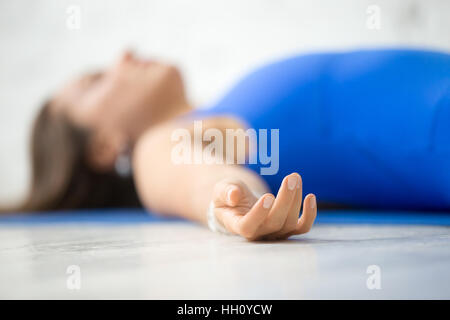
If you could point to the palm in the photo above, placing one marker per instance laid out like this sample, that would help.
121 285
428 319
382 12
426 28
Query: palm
243 199
267 217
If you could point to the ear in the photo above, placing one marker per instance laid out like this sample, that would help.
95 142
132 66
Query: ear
103 149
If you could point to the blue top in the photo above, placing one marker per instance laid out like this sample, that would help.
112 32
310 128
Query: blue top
365 128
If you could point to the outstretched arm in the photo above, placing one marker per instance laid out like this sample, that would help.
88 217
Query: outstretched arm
187 190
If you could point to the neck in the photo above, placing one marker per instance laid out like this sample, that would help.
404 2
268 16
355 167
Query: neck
183 109
175 111
171 113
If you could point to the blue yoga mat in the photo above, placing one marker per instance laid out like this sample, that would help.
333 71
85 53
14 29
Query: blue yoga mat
134 216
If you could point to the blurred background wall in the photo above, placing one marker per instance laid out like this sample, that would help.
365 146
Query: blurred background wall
45 42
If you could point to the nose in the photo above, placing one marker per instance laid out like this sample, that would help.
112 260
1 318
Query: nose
127 55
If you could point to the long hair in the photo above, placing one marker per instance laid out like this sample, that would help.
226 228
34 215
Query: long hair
61 176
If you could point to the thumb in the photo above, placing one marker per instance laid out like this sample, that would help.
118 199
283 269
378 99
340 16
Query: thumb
227 194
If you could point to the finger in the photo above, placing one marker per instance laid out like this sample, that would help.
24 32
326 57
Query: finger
246 224
294 211
227 194
280 210
309 214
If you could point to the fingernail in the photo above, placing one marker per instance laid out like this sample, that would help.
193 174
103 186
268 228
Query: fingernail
313 202
298 184
229 195
267 203
292 182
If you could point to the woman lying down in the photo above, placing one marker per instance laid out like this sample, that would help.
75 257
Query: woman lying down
367 129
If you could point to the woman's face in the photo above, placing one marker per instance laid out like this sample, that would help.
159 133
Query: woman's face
124 99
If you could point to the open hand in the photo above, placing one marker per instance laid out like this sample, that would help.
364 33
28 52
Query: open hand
266 218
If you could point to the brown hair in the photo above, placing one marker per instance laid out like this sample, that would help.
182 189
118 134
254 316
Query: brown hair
61 177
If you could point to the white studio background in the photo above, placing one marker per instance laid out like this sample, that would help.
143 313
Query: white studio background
213 42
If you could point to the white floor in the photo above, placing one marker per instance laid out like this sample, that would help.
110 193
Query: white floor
184 261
